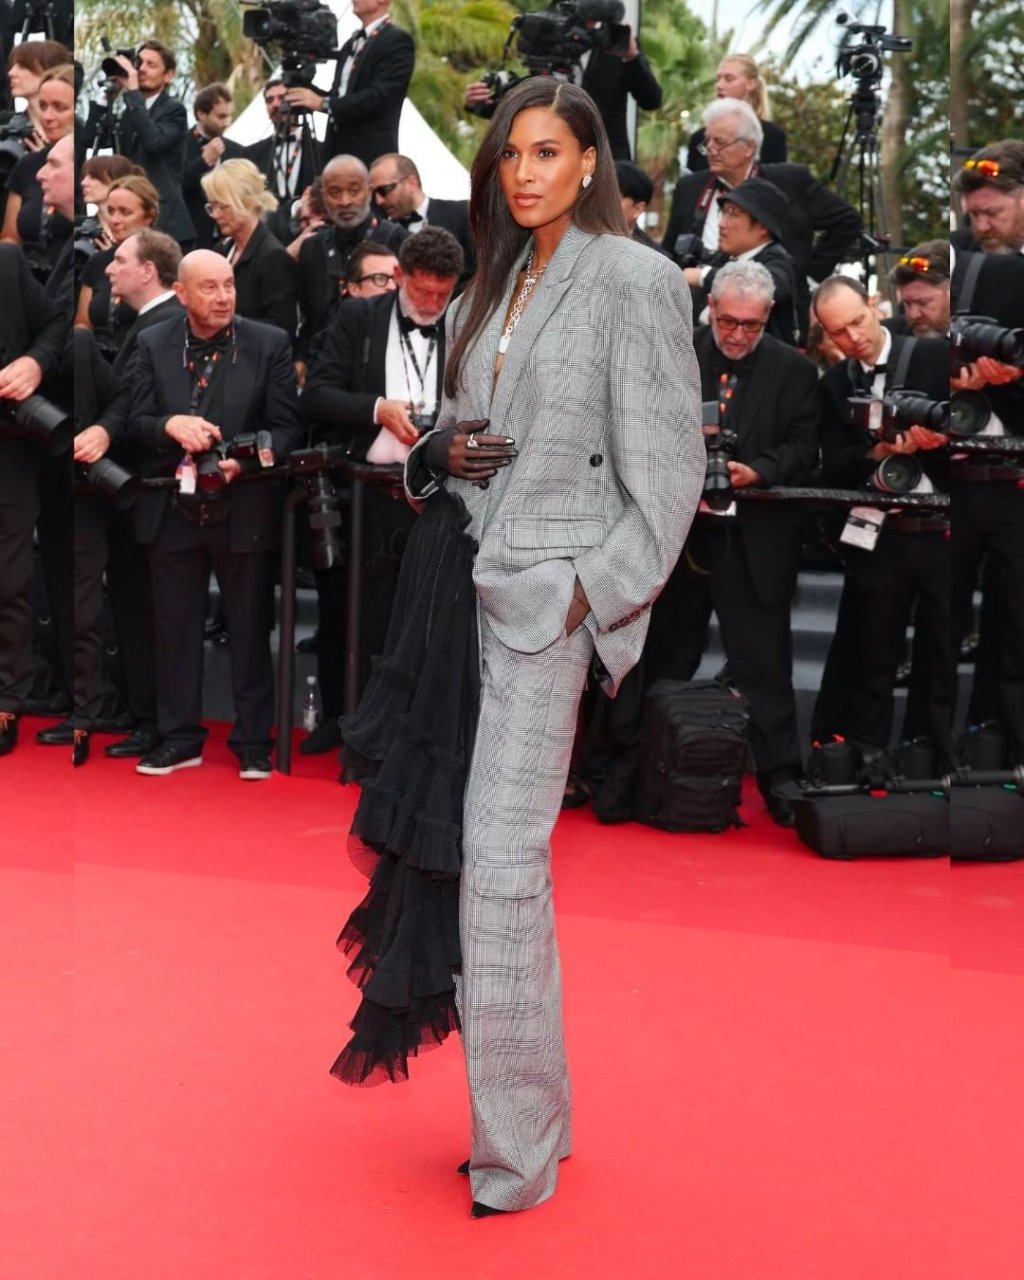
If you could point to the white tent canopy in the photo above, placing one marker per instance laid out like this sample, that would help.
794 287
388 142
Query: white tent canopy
443 175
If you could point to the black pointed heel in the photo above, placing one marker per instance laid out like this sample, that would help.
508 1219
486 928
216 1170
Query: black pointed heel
483 1210
463 1169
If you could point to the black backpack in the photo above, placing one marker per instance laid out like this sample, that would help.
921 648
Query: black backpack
695 754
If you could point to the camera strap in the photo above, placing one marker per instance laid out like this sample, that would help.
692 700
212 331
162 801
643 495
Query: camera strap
406 346
972 273
902 368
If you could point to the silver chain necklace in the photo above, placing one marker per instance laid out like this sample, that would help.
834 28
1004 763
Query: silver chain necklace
517 307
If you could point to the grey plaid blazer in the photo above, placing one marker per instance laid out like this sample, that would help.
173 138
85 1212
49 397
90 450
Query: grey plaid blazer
601 392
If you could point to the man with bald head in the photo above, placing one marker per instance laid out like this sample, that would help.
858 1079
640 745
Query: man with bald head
200 382
323 259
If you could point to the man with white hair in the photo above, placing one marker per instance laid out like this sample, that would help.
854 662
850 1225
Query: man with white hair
823 226
765 394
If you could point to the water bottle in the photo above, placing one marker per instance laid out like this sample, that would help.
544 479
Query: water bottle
311 705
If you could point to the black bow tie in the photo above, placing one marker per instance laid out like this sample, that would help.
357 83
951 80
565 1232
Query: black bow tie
410 218
407 326
866 377
201 349
731 368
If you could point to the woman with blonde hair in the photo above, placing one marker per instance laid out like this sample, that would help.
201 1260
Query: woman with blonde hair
738 77
266 285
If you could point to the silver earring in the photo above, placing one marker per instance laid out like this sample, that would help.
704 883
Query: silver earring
587 180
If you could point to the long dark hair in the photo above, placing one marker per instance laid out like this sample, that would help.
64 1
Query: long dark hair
499 238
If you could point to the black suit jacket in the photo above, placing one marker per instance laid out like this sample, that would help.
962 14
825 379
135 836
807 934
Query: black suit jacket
775 413
453 215
773 148
262 155
822 226
101 398
323 262
999 294
154 137
610 82
364 122
266 282
339 398
166 310
194 170
31 324
783 320
845 446
258 391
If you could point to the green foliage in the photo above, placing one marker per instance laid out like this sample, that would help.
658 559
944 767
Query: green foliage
995 60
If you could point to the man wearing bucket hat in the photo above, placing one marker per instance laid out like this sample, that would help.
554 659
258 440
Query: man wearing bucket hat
754 219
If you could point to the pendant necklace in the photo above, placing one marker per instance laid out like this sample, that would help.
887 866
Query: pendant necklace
517 307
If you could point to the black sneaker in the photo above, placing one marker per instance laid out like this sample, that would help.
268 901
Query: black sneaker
254 766
167 759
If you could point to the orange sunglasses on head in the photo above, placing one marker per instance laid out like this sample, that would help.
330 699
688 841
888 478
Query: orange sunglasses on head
987 168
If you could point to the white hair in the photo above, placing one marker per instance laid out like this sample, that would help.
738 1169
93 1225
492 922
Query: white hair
749 279
749 129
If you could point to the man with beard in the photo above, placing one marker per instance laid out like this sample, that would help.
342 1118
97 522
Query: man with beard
205 148
745 567
375 388
920 280
323 258
991 190
288 165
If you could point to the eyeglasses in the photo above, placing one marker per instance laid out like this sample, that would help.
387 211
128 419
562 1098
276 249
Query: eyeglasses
215 206
711 145
987 168
380 278
386 189
730 324
916 264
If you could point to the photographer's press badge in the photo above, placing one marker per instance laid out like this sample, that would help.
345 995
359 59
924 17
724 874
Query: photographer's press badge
863 525
186 475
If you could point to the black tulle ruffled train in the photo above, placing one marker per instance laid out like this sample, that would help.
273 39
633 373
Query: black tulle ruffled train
409 745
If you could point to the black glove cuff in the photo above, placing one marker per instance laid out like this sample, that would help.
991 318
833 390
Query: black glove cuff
436 448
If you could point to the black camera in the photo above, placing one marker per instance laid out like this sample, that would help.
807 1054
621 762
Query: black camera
424 422
899 473
254 451
896 412
552 41
691 251
306 29
37 419
111 68
864 61
974 336
87 232
721 445
313 467
18 127
111 482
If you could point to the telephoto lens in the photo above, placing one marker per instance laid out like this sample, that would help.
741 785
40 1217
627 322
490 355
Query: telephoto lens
899 473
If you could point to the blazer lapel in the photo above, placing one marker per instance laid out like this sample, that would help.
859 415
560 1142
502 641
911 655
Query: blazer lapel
547 295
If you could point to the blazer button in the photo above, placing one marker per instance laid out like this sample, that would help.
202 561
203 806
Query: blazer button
596 459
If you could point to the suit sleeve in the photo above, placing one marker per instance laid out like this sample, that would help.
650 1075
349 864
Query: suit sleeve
642 84
844 447
46 325
277 289
675 220
792 460
392 72
656 447
147 419
281 403
161 130
329 397
837 223
194 171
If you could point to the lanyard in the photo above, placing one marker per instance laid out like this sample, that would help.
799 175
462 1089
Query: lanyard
406 345
201 380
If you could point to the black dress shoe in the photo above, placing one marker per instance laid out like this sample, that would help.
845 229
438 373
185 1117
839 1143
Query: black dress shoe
138 743
168 758
463 1169
325 737
484 1210
8 731
80 748
56 735
781 811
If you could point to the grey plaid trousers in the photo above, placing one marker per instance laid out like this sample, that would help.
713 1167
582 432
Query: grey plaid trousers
511 987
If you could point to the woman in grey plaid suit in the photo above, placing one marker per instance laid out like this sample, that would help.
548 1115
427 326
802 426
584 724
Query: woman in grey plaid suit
570 428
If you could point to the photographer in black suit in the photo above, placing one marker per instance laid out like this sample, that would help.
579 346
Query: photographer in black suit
152 131
372 79
288 159
636 191
32 336
822 226
375 388
323 258
908 561
610 79
744 566
398 194
211 378
205 148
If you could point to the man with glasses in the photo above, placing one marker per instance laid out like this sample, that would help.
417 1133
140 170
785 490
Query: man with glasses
991 190
324 257
822 227
920 280
743 563
371 271
398 194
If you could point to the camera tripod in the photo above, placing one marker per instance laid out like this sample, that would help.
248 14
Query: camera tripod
857 175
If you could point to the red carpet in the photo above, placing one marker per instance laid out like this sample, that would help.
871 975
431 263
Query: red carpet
785 1069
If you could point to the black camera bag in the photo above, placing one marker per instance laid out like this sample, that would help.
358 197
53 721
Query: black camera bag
895 825
695 752
986 824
